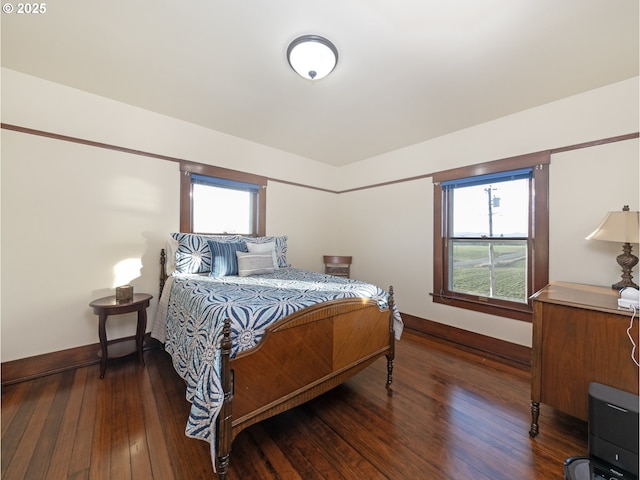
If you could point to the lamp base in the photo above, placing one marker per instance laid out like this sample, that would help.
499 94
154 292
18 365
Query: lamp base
627 261
620 285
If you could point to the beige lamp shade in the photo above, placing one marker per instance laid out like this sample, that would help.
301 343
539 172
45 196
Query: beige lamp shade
621 226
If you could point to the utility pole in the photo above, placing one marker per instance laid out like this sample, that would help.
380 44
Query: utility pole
492 275
489 190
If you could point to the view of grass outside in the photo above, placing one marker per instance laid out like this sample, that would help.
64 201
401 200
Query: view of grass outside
475 273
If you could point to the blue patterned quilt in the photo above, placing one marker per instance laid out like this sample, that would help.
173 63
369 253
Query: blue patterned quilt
191 329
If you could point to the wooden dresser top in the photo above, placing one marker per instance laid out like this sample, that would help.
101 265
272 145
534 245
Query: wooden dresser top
591 297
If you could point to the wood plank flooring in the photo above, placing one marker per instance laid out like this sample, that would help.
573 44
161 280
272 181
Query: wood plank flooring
451 415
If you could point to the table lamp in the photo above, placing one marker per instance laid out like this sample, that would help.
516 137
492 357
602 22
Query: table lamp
623 227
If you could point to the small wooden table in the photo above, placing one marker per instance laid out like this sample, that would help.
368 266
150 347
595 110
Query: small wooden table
105 306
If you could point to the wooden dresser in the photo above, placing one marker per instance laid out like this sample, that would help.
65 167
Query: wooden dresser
579 336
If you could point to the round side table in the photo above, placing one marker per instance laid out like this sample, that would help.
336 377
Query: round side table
105 306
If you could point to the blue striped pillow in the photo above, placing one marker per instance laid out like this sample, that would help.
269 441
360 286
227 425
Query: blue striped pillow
223 257
193 254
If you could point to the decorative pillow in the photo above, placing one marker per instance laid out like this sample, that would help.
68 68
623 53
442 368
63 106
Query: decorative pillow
171 249
281 247
193 254
268 247
224 259
254 263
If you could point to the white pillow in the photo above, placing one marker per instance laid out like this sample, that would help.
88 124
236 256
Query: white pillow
268 247
254 263
170 259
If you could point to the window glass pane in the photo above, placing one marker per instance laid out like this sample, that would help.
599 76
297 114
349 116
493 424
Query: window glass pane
222 210
492 210
489 268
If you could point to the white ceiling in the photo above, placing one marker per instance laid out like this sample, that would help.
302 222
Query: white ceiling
409 70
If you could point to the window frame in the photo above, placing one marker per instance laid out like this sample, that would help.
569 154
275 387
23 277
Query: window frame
538 240
186 197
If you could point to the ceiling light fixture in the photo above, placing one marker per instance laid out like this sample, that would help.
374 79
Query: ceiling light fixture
312 57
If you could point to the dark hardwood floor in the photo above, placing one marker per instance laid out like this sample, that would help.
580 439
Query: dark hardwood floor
451 415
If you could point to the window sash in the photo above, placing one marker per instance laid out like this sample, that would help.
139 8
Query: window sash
489 267
512 222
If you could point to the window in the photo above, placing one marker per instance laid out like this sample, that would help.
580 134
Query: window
491 235
216 200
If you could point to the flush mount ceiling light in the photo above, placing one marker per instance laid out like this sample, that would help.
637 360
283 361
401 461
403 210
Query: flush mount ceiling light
312 57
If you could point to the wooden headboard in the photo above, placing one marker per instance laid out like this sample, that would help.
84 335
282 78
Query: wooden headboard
163 270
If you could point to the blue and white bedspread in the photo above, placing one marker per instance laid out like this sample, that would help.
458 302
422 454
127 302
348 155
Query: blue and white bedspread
189 323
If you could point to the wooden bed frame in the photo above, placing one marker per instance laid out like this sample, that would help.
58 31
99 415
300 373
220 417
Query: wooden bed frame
336 339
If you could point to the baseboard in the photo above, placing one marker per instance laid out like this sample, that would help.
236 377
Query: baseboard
29 368
508 353
502 351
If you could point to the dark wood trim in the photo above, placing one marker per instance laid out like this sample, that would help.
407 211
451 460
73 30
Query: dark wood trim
66 138
500 309
220 172
391 182
511 163
90 143
495 349
302 185
595 143
29 368
539 261
186 220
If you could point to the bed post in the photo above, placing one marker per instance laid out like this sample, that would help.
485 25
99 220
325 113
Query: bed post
392 340
163 271
224 428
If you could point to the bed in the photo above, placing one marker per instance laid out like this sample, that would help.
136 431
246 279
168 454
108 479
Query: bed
253 337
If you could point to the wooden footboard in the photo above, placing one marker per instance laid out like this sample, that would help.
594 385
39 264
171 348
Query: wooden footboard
299 358
315 349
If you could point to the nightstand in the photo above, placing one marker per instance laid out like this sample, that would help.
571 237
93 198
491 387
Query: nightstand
337 265
105 306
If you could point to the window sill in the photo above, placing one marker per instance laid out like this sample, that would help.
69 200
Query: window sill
523 314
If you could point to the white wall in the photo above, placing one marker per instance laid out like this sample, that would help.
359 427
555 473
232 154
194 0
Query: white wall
390 234
602 113
74 217
609 178
71 213
584 185
308 218
34 103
